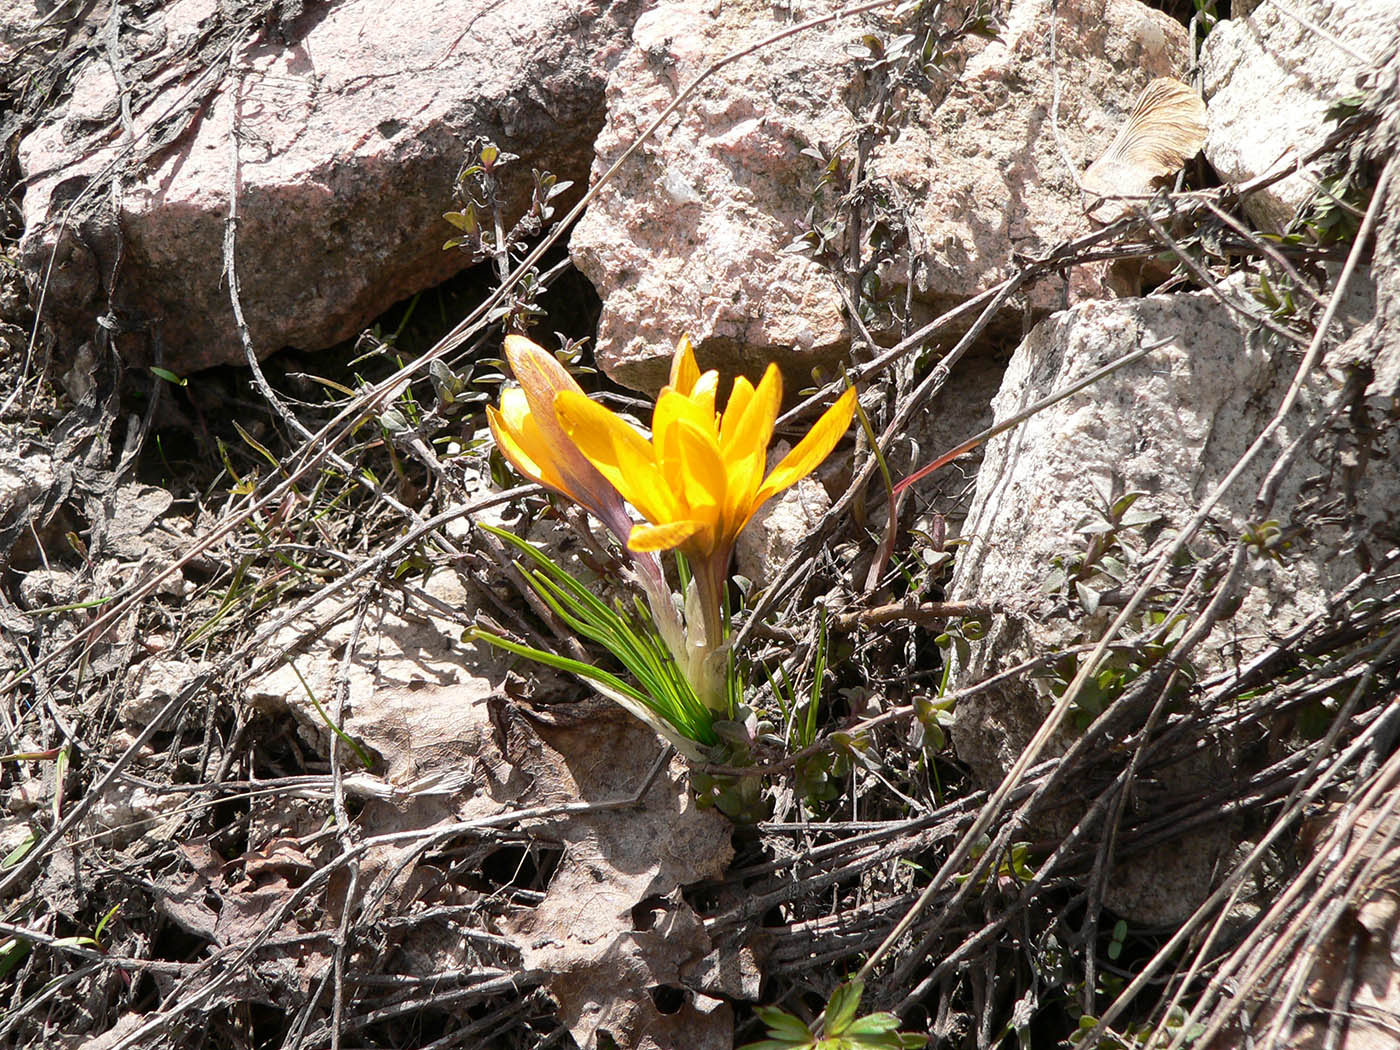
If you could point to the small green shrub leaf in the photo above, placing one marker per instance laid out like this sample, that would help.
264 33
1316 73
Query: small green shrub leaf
841 1010
783 1025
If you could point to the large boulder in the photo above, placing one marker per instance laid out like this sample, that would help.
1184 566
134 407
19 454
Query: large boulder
1171 425
691 234
1272 75
350 122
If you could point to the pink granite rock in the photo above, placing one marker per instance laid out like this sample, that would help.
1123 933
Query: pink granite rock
351 125
691 234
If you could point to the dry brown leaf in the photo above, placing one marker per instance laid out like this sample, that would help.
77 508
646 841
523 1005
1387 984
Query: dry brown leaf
282 858
204 903
1166 128
607 933
613 939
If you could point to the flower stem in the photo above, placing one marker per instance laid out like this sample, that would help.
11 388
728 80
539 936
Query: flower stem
708 664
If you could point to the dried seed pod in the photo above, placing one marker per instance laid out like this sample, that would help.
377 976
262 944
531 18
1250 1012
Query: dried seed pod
1165 129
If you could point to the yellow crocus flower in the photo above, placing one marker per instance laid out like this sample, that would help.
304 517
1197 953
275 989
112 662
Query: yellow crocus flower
700 478
528 434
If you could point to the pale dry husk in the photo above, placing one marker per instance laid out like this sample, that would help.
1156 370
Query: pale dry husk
1165 129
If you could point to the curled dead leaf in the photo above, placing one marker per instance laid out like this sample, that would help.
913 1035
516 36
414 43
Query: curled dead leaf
1166 128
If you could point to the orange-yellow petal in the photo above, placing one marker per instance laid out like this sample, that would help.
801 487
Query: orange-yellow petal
508 436
811 450
745 433
704 393
541 379
539 374
532 452
740 395
671 407
700 470
621 454
750 414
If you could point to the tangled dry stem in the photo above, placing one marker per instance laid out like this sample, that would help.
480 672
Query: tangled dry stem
819 896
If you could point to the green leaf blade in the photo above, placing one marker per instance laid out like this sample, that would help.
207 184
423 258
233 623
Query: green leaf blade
841 1009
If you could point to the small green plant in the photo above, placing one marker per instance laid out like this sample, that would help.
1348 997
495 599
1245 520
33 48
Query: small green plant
14 950
482 233
1014 866
1267 542
1205 17
839 1029
1335 213
1120 936
857 227
1280 302
936 716
1099 570
1102 562
478 190
817 776
1121 668
169 376
1138 1036
956 641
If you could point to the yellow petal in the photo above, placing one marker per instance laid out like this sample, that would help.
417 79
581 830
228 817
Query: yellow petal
673 406
811 450
745 474
508 439
684 370
662 537
745 433
621 454
704 392
515 409
541 379
750 414
534 454
699 468
740 394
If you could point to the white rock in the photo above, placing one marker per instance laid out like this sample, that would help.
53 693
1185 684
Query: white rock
20 27
1376 347
14 833
127 812
1269 79
27 792
25 476
43 588
690 235
1173 425
160 682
